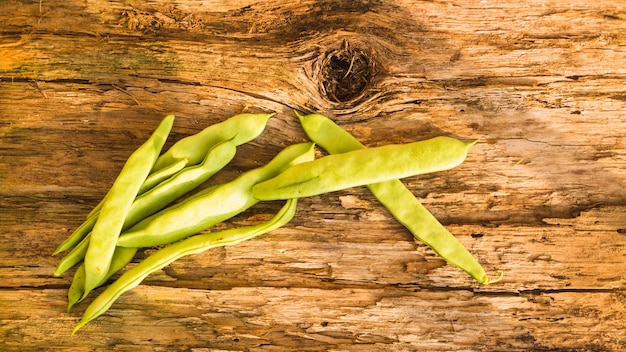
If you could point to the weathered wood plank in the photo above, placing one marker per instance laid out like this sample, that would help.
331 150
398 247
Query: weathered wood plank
371 253
295 319
540 197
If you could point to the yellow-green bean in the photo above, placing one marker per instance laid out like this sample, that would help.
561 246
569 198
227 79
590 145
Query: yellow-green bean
180 184
222 203
157 197
364 166
78 235
157 177
75 256
163 257
240 129
400 202
152 180
121 257
77 288
117 204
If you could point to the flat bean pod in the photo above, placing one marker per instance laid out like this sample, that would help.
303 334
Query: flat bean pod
203 193
399 200
152 180
364 166
78 235
163 174
222 203
165 256
75 256
180 184
76 293
158 197
240 129
117 204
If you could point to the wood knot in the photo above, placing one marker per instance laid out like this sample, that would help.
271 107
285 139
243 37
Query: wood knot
345 73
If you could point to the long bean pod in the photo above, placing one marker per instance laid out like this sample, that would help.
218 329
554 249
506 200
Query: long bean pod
157 177
152 180
222 203
399 200
117 204
77 288
121 257
163 257
180 184
78 235
155 199
159 196
364 166
75 256
240 129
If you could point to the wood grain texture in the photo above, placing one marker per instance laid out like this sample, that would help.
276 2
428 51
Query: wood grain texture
542 84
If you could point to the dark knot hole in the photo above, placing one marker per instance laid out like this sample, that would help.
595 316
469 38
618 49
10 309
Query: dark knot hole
345 74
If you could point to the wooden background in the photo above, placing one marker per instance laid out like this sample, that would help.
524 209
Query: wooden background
541 197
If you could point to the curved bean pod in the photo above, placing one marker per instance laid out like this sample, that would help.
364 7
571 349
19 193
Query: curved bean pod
203 193
163 257
152 180
364 166
399 200
117 204
240 128
75 256
78 235
161 175
180 184
201 212
159 196
76 293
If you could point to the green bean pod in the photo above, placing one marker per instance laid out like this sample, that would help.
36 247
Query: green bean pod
202 193
180 184
78 235
240 129
77 288
152 180
75 256
399 200
222 203
159 196
362 167
165 256
118 202
76 293
159 176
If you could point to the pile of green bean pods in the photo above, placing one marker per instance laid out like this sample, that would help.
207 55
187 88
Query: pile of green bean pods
151 202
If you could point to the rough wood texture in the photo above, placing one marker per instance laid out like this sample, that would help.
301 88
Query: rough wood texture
541 197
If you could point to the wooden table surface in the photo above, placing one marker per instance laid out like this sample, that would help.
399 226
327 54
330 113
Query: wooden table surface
541 197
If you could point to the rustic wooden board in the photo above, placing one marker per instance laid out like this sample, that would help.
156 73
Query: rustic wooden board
541 198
